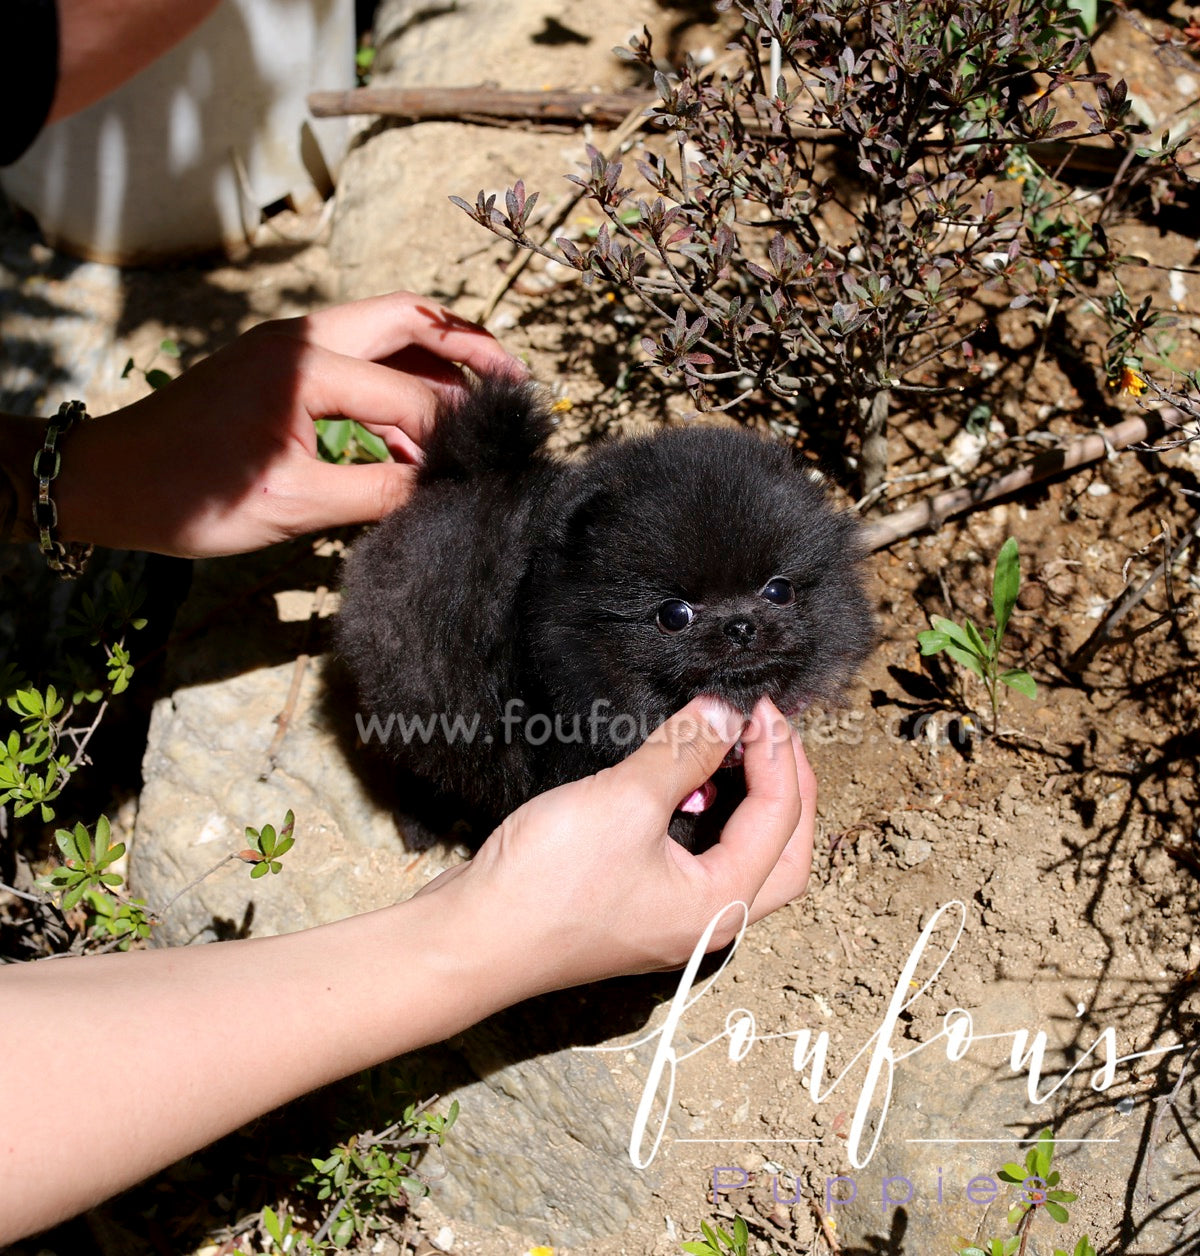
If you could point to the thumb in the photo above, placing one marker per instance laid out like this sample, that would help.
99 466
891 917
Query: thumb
684 751
363 493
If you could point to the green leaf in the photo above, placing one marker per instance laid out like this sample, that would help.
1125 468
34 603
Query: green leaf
1021 681
967 658
984 649
741 1232
170 348
958 635
259 870
703 1249
1006 584
1016 1213
157 379
1057 1211
932 641
128 368
1014 1173
1062 1197
371 444
334 437
1045 1153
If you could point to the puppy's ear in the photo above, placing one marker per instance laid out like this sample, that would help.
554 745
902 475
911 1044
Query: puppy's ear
584 511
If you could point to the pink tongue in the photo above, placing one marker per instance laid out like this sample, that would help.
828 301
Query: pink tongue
699 799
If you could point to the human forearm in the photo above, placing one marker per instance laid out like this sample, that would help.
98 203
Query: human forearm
580 884
104 42
200 1040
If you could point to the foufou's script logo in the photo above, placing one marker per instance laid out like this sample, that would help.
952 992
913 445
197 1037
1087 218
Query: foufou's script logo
810 1056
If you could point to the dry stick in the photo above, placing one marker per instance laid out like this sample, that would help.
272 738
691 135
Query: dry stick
958 501
629 126
453 104
1128 600
284 718
497 106
1161 1105
561 107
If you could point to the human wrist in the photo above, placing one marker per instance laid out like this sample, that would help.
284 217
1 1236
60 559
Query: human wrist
473 950
20 439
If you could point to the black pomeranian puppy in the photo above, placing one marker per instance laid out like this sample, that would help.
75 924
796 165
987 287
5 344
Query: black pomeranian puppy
525 621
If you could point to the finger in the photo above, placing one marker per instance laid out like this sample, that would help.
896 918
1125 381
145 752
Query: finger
755 836
683 752
377 327
374 395
335 496
788 879
445 378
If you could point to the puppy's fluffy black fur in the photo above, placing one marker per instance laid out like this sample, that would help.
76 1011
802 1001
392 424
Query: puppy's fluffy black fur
514 578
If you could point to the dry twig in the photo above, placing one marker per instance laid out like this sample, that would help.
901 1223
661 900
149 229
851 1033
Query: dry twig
1055 462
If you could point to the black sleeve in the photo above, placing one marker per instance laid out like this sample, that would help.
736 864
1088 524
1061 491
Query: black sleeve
30 32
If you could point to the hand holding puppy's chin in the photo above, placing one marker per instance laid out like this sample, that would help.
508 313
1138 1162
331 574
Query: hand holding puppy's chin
586 881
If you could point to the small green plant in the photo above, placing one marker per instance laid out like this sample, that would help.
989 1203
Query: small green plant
370 1175
269 846
1038 1181
156 378
364 63
281 1230
50 740
718 1242
979 651
1038 1169
86 860
85 879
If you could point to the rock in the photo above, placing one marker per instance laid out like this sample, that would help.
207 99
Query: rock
207 778
394 226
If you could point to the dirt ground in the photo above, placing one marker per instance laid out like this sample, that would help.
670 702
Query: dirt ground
1070 843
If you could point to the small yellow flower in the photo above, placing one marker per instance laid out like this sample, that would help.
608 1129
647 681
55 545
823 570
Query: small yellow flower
541 1251
1131 383
561 406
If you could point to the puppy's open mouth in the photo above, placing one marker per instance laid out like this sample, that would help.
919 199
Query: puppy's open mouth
700 800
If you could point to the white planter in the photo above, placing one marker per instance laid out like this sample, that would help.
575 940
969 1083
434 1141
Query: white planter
184 156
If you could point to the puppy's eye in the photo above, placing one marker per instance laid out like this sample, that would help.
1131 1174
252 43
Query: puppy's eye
779 592
674 615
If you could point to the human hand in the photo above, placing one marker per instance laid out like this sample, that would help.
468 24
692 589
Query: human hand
583 882
224 459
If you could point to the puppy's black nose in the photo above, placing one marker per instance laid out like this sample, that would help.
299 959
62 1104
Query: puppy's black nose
740 630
